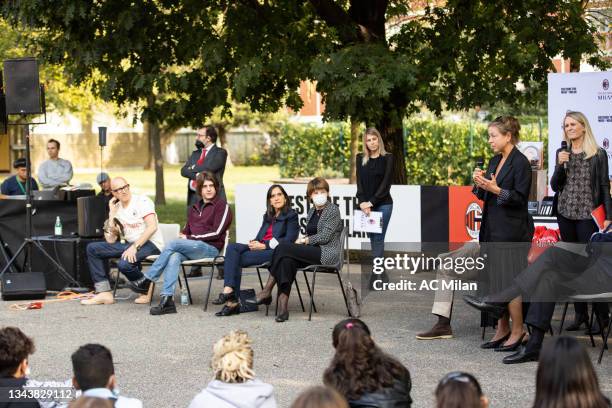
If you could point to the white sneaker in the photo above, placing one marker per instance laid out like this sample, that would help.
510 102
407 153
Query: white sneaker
102 298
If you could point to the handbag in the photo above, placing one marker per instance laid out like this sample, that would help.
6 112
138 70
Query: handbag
245 306
353 300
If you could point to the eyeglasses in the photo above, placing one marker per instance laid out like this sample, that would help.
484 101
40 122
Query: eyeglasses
121 189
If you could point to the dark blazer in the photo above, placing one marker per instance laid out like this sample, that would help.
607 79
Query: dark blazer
285 229
214 162
328 233
600 181
507 220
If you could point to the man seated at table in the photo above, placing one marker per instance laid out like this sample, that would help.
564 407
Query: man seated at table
140 238
16 185
104 181
55 171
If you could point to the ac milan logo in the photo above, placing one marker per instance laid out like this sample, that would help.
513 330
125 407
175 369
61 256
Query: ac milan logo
472 225
605 84
606 143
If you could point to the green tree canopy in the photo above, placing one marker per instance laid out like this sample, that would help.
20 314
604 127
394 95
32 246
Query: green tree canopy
374 61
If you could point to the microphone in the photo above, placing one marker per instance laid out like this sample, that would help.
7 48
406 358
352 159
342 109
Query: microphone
564 147
480 162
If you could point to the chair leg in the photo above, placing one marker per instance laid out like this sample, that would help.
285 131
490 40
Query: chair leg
605 342
590 327
116 283
151 292
314 277
297 288
348 311
314 307
563 317
212 273
261 284
484 329
187 284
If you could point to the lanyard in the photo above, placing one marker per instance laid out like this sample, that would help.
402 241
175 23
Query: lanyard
20 185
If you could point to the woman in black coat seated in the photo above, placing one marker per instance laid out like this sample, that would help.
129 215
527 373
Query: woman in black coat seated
280 224
363 373
320 246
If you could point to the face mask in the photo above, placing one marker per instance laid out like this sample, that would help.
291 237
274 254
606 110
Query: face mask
319 199
199 144
27 371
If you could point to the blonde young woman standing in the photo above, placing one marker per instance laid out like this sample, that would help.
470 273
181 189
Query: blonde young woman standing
581 181
374 176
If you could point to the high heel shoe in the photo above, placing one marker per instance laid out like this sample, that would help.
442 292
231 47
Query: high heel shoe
495 343
282 317
511 347
224 298
263 301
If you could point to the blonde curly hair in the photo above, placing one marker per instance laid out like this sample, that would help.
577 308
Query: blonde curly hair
232 359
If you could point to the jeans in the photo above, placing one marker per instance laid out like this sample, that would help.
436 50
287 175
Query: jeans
99 252
238 256
169 262
378 240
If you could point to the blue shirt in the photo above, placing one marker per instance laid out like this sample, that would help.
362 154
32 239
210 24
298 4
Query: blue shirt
12 186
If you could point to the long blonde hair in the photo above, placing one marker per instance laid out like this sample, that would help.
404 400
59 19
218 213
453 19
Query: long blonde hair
589 144
232 359
366 151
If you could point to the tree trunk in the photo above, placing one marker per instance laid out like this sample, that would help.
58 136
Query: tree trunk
354 150
149 163
394 143
158 161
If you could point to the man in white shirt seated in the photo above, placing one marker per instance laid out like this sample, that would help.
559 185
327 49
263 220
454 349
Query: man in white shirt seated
140 238
94 375
55 171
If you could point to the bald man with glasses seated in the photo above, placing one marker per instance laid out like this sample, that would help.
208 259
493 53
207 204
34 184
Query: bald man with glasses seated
140 238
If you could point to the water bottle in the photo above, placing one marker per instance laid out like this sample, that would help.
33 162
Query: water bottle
58 226
184 297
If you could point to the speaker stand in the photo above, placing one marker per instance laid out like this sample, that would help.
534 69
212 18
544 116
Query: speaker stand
28 242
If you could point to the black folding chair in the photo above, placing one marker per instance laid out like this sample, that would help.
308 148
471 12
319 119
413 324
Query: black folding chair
333 269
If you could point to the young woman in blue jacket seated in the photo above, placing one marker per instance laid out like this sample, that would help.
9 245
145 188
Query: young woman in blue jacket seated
280 224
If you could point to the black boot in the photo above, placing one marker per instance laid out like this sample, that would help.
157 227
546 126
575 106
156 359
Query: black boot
166 305
194 272
140 286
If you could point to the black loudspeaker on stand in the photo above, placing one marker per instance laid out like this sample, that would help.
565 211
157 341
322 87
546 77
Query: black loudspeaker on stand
24 96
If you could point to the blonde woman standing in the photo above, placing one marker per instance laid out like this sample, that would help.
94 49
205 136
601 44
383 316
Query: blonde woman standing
374 176
235 385
581 183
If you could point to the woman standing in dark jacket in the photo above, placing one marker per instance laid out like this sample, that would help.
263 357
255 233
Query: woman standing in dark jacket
504 188
582 183
321 245
363 373
374 176
280 224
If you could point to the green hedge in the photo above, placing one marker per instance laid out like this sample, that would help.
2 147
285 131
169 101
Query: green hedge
438 152
313 150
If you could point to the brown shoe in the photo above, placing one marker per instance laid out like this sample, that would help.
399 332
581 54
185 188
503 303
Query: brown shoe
437 332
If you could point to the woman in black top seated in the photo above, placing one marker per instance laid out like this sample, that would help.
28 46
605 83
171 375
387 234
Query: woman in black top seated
321 245
363 373
280 224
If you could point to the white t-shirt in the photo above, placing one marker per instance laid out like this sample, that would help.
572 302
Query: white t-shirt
132 217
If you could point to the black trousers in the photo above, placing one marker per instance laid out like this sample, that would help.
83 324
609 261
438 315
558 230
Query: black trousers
556 274
286 260
581 231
